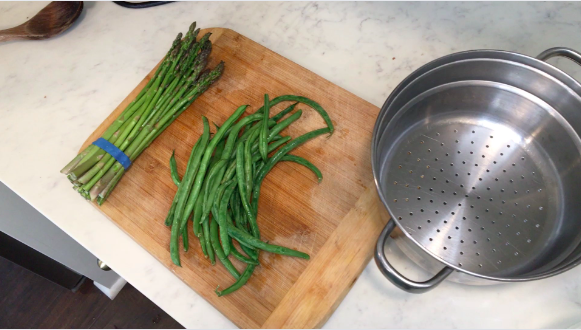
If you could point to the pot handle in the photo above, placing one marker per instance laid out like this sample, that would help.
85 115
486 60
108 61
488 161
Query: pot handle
569 53
395 277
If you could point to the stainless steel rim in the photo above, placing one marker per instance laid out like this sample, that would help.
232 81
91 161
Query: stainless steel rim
381 121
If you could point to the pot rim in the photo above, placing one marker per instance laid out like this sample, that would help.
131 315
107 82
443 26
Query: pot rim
543 66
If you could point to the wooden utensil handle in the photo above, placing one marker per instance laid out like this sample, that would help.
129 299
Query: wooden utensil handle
9 34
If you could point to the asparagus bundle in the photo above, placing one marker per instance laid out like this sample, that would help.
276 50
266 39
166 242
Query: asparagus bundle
178 81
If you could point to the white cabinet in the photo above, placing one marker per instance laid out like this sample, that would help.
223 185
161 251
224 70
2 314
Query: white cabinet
21 221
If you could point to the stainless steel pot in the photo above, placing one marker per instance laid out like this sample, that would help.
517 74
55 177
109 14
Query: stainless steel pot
476 158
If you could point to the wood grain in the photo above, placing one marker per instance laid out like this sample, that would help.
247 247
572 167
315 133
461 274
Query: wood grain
336 221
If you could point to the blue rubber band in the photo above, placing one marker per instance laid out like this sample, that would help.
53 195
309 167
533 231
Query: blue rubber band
115 152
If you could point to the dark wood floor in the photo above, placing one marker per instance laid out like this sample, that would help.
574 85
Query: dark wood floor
31 301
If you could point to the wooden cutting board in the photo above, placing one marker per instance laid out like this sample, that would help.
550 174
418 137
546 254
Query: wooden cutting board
336 222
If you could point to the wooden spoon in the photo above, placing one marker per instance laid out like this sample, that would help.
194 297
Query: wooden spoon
50 21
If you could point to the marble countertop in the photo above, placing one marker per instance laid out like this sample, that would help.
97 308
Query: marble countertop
54 92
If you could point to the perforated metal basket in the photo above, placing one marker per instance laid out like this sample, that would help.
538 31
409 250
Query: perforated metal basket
476 157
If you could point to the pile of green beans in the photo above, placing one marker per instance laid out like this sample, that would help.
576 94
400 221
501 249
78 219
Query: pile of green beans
220 188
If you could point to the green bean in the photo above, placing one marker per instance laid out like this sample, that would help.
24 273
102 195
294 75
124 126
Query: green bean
284 124
185 238
305 163
211 183
218 152
316 106
281 114
241 222
277 156
239 283
169 218
207 243
214 169
246 128
222 217
225 134
252 138
203 244
259 166
262 141
235 208
277 143
240 256
183 191
235 205
239 216
242 188
229 211
251 241
213 161
234 133
197 216
206 159
219 193
250 251
256 127
273 139
228 131
248 164
170 214
231 171
204 196
246 134
218 249
173 167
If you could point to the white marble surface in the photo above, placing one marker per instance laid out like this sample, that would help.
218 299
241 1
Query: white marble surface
54 92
